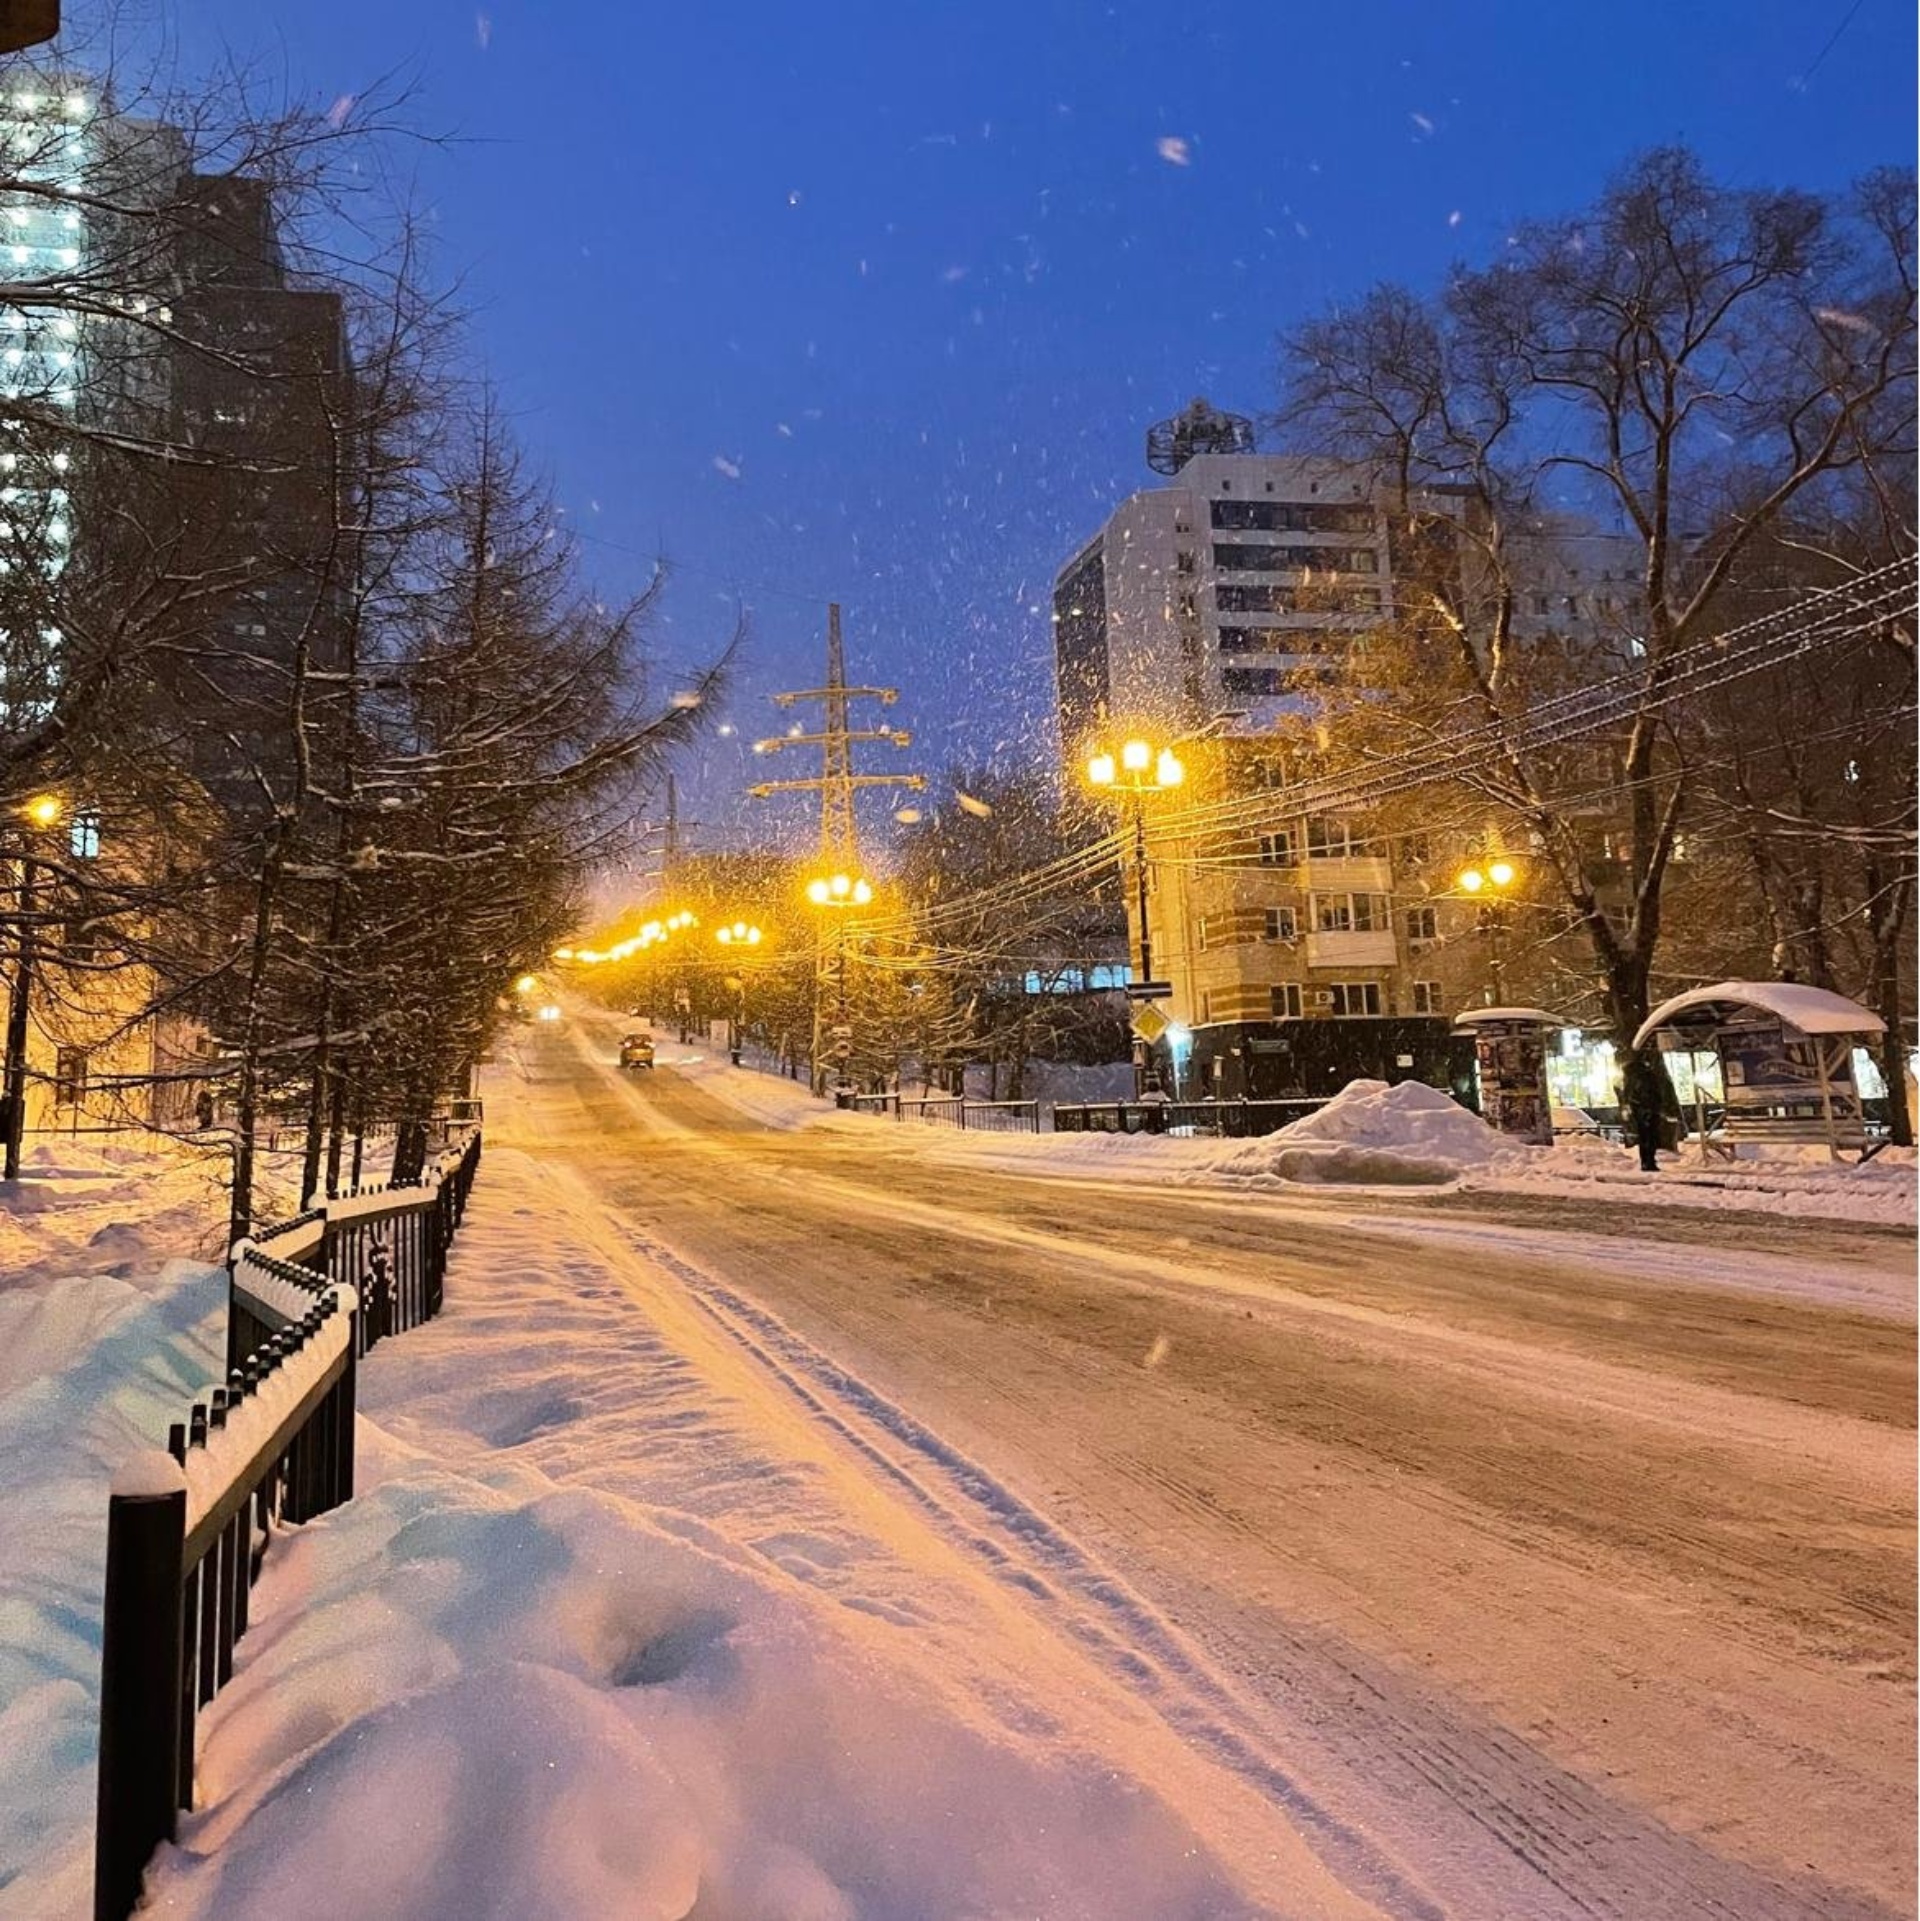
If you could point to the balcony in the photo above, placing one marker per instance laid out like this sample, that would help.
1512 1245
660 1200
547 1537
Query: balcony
1362 874
1351 950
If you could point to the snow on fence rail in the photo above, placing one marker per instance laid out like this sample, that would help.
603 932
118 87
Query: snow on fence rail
187 1529
954 1110
387 1243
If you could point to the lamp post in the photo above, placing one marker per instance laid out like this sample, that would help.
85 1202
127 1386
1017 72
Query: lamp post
740 934
1137 770
1494 880
837 890
40 813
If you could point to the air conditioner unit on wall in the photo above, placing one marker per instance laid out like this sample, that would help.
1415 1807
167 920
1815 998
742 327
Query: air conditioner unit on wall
1320 997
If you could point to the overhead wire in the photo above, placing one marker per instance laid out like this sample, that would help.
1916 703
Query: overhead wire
1824 618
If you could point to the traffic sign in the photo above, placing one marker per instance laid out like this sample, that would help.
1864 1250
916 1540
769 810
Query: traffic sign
1149 990
1149 1023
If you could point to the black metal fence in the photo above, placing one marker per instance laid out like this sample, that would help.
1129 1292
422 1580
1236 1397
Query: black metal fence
186 1535
953 1110
389 1244
1224 1120
183 1553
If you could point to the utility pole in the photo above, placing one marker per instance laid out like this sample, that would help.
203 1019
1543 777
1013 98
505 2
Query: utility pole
836 785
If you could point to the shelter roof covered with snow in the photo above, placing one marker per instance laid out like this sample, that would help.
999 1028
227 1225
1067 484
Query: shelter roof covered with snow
1813 1010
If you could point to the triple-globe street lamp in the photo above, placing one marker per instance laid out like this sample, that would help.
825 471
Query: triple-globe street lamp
1134 773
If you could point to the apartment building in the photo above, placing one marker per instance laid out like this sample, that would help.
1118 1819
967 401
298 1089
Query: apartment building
1302 949
143 306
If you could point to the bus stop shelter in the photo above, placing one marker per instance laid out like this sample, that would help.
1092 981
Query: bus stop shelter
1786 1062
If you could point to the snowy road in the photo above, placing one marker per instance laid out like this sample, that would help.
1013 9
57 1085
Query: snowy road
1525 1586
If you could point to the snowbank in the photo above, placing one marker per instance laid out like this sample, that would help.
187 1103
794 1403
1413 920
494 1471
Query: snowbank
466 1698
105 1338
1791 1182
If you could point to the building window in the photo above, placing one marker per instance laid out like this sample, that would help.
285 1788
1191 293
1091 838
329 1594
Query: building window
1206 1010
1258 681
1354 999
69 1076
1350 913
1246 558
1289 517
1422 924
1183 560
1286 1001
1416 850
1276 850
1280 924
1253 640
1426 997
83 837
1336 840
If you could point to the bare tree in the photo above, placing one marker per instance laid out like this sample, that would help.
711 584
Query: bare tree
1692 362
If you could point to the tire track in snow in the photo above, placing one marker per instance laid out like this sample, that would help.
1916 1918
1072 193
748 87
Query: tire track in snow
1113 1624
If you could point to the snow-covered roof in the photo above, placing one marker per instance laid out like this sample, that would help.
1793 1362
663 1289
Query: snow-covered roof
1474 1016
1813 1010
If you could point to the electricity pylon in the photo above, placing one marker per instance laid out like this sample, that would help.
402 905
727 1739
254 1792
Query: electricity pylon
836 784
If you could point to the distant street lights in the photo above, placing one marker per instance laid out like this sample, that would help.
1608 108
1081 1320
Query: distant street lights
1494 880
41 813
1138 770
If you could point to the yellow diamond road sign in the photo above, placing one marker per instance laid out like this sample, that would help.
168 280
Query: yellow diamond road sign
1148 1021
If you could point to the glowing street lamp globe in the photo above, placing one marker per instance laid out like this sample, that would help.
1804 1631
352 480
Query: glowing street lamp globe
839 890
43 809
1137 768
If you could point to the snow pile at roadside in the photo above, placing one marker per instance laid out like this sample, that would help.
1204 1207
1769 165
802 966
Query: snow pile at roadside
486 1697
1370 1133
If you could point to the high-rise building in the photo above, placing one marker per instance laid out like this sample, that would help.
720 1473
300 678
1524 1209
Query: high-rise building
1304 948
171 462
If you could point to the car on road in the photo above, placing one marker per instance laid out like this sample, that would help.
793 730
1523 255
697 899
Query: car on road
637 1051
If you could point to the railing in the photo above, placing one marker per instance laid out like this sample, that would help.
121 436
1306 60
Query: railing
389 1244
1226 1120
187 1530
186 1533
953 1110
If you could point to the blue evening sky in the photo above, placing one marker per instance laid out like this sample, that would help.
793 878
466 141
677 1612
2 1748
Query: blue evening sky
876 301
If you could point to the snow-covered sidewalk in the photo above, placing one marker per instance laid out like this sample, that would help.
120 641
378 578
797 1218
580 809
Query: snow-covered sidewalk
1375 1136
625 1622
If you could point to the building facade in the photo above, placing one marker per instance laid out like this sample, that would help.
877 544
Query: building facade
1302 949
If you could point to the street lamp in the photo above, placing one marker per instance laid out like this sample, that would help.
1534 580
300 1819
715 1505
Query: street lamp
1136 770
841 890
1494 880
739 934
41 812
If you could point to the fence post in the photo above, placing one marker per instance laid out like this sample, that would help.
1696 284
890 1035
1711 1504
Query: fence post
346 1391
140 1658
